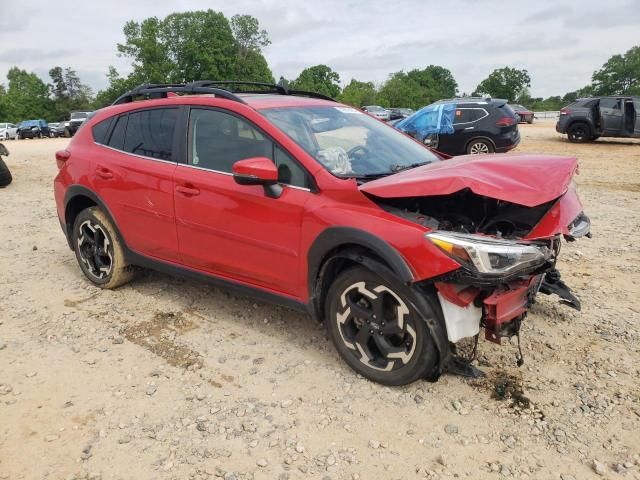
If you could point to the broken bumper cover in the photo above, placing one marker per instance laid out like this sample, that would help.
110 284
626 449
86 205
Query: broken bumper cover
498 308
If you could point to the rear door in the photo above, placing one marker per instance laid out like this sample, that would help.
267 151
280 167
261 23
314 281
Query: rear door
611 116
133 174
236 231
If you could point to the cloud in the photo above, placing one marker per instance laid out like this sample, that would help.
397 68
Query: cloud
19 55
560 44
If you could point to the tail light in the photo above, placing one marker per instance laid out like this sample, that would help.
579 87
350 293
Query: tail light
506 122
564 111
61 157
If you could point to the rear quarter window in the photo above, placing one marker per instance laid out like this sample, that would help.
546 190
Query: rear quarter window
100 130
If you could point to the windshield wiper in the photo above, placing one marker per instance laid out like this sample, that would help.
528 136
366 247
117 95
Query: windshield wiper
398 168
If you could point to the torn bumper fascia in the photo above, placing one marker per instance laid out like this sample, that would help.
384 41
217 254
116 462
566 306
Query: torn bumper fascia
466 308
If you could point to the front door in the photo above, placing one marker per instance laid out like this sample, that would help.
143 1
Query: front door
236 231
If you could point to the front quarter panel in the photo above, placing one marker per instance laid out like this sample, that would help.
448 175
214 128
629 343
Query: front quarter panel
423 259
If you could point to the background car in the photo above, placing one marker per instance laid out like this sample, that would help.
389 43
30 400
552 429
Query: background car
8 131
74 122
399 113
460 126
590 118
52 127
57 129
33 129
523 114
378 112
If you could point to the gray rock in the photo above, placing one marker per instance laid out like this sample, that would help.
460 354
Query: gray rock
151 389
450 429
600 468
263 462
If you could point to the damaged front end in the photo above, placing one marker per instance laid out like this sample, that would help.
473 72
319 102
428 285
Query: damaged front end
507 254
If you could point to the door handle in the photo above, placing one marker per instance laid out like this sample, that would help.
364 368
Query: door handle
104 173
470 128
187 191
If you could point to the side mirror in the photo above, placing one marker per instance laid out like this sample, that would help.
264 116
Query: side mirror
258 171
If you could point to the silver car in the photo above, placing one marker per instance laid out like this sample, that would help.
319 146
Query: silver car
8 131
378 112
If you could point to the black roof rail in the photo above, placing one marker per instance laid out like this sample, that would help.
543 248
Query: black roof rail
160 90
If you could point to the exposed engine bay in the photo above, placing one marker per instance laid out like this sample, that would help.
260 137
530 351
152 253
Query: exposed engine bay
467 212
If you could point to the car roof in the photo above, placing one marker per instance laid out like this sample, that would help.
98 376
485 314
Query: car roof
471 100
261 101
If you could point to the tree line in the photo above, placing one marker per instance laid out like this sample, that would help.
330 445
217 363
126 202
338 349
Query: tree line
201 45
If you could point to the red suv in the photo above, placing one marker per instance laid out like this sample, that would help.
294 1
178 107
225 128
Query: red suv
301 200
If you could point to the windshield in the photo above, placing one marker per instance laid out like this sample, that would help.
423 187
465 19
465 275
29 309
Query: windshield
78 115
374 108
349 143
517 108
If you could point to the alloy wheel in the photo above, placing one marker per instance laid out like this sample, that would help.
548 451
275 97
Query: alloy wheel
95 249
376 326
479 148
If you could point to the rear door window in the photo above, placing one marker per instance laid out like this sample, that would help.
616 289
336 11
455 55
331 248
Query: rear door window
150 133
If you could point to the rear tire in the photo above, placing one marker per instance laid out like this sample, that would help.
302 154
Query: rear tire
99 250
5 175
376 329
479 146
579 133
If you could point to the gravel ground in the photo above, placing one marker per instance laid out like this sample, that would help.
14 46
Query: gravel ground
170 379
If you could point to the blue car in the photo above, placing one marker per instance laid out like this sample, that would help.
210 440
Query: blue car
33 129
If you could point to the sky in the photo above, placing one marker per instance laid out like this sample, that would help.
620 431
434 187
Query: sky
560 43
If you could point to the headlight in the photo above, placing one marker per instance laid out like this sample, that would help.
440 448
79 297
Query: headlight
580 227
490 256
66 124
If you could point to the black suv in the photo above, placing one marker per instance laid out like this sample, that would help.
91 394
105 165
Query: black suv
73 124
462 126
589 118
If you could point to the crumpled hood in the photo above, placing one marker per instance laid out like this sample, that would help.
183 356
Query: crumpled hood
525 179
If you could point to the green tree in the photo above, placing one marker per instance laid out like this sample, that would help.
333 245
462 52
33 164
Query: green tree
27 97
620 75
418 88
250 64
319 79
358 93
507 83
68 92
181 47
117 86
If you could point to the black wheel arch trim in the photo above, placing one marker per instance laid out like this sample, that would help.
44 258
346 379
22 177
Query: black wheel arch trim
480 137
75 191
330 240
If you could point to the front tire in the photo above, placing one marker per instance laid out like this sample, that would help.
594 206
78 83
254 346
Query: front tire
377 330
99 250
479 147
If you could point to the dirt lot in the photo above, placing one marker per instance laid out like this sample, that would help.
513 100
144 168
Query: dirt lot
168 378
